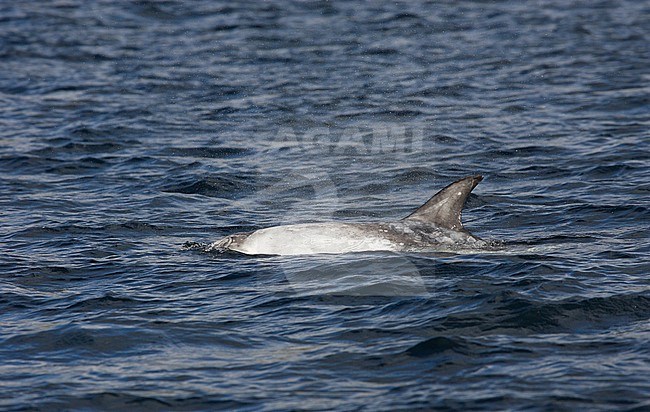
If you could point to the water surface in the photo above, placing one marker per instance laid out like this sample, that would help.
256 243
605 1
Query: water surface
131 128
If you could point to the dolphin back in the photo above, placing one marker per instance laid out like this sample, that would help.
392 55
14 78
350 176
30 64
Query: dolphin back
445 207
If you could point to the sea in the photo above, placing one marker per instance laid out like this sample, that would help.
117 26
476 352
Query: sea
135 133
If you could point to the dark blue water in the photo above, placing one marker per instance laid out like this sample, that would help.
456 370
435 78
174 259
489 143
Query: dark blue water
128 129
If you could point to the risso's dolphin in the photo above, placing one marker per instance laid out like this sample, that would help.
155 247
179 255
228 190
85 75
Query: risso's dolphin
434 226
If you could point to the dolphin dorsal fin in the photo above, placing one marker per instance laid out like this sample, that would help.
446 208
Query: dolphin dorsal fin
445 207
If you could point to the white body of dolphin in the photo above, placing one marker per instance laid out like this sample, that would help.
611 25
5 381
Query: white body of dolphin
435 225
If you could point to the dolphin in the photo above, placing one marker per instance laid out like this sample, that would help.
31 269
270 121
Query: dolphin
434 226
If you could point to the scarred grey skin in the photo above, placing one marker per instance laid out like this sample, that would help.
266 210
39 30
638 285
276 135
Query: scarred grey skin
436 225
